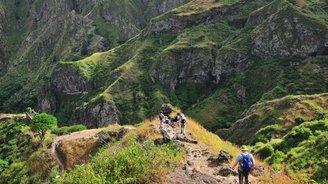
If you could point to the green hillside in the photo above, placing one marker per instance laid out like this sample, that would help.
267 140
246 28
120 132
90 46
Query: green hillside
289 131
35 36
213 70
253 72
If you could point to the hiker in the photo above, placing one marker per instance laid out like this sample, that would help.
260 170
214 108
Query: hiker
167 120
183 122
175 121
246 164
161 118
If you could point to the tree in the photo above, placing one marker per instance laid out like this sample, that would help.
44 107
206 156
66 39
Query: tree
43 122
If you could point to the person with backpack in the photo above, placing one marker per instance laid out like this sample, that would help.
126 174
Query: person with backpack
161 118
183 121
167 120
246 164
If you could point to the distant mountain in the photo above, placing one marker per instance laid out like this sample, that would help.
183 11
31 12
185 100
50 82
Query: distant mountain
35 35
213 59
253 71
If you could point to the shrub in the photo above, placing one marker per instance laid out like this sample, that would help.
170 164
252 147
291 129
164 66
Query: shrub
276 157
264 150
134 163
299 120
43 122
321 115
16 173
296 135
3 165
264 134
68 129
14 140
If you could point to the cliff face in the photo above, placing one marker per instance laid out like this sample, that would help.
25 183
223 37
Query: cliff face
35 35
215 60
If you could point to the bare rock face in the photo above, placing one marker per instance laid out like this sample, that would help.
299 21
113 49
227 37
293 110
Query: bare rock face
197 66
96 115
175 24
289 33
68 81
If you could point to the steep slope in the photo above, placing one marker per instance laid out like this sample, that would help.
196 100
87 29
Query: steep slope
35 35
173 162
290 131
208 60
282 112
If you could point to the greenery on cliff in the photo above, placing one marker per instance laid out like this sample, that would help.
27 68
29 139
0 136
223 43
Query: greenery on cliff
253 66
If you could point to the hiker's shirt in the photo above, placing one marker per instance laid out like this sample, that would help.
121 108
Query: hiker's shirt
182 118
239 159
161 117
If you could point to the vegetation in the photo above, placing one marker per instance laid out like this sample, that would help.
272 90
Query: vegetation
282 100
41 123
68 129
15 141
301 149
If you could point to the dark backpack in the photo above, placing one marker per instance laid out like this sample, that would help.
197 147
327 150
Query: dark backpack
246 163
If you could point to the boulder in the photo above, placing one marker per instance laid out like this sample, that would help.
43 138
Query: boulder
167 109
257 171
168 133
227 171
223 158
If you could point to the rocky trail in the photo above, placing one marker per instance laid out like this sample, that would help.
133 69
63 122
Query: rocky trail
200 165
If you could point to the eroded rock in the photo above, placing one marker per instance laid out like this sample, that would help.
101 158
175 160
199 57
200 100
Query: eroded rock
289 33
227 171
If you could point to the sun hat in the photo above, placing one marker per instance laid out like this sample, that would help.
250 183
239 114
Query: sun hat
244 148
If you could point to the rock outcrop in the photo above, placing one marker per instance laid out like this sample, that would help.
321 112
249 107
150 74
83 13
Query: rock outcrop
202 66
173 24
96 115
68 82
289 33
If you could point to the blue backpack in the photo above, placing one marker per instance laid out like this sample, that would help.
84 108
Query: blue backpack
246 163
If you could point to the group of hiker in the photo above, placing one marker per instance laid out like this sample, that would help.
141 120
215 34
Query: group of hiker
245 160
179 119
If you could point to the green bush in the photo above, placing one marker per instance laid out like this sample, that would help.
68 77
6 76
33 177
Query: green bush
264 134
135 163
16 173
264 150
3 165
296 135
299 120
68 129
14 140
43 122
276 166
276 157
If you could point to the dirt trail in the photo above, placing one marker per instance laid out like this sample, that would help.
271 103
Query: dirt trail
86 134
197 168
4 117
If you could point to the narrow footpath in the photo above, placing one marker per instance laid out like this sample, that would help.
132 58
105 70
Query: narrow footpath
199 165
